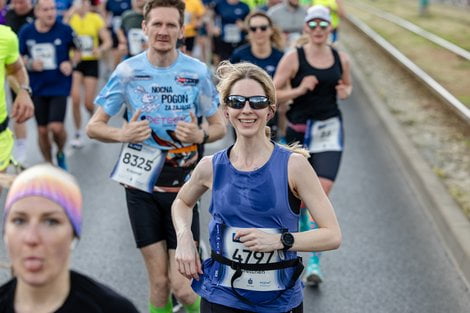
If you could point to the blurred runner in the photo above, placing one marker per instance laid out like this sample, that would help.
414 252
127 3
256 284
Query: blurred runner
289 17
114 10
90 29
45 46
132 39
319 76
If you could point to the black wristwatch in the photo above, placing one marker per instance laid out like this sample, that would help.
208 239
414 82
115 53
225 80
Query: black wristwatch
206 136
287 240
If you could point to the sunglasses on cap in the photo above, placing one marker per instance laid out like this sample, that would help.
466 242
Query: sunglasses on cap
262 28
314 24
256 102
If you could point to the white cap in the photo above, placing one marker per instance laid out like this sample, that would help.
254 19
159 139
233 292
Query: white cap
318 11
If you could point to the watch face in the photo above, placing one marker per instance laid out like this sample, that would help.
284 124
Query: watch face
287 239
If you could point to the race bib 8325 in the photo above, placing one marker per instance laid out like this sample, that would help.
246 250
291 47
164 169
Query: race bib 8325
138 166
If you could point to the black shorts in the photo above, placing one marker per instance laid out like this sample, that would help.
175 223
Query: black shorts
189 43
114 37
209 307
326 164
48 109
88 68
223 49
150 216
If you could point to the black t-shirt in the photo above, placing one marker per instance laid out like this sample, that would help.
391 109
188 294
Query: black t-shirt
86 295
16 21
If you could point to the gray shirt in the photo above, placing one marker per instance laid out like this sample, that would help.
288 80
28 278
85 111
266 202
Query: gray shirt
287 18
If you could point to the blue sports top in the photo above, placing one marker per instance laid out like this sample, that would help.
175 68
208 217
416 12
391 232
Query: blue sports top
229 14
248 199
166 95
52 47
269 64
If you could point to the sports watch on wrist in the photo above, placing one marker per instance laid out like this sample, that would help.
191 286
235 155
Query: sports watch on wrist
287 240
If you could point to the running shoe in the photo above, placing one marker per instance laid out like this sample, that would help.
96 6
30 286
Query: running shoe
313 275
61 160
77 142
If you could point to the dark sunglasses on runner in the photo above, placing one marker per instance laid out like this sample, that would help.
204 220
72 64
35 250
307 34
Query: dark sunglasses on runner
256 102
314 24
262 28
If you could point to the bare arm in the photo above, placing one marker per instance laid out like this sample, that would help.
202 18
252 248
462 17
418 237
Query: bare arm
286 70
23 107
304 181
134 131
106 42
187 257
344 86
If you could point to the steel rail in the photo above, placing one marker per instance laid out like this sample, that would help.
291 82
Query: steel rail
450 100
417 30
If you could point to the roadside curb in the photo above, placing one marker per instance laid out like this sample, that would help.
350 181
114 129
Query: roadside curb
453 225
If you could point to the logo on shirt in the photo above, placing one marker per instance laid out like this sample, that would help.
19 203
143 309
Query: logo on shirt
141 77
186 81
57 42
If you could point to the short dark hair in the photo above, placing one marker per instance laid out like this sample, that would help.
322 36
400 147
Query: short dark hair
177 4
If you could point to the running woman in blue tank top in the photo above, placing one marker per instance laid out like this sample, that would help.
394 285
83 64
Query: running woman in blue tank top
257 187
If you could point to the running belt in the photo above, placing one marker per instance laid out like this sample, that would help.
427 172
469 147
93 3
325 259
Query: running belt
238 267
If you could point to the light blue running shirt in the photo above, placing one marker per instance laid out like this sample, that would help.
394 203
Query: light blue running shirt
165 95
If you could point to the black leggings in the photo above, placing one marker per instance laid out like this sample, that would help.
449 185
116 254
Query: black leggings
209 307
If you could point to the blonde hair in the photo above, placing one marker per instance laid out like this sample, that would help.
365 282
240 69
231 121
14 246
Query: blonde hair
276 37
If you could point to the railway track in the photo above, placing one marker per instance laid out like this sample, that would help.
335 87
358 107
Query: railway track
456 106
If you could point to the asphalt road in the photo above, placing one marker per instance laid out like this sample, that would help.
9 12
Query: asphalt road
391 259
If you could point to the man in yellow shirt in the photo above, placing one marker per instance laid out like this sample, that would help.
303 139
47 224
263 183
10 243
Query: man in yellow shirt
12 65
192 21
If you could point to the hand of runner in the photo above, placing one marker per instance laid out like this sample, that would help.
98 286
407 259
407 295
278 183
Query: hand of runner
66 68
23 107
308 83
189 132
37 65
258 240
136 130
342 90
187 257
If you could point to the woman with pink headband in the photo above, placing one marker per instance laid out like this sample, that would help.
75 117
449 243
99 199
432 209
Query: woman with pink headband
41 222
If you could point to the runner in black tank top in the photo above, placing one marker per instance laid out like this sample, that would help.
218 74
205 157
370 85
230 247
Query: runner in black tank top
318 75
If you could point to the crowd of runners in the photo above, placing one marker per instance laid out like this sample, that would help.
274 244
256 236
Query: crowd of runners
180 74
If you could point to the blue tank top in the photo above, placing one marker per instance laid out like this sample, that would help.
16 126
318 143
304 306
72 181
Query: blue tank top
251 199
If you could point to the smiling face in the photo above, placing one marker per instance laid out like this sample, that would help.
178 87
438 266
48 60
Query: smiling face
38 236
247 121
163 28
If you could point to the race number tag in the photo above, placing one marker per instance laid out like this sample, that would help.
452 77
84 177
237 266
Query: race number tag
322 136
86 45
44 52
139 166
137 39
232 33
250 280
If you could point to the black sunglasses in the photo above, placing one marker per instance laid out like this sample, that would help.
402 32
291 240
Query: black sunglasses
256 102
262 28
314 24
